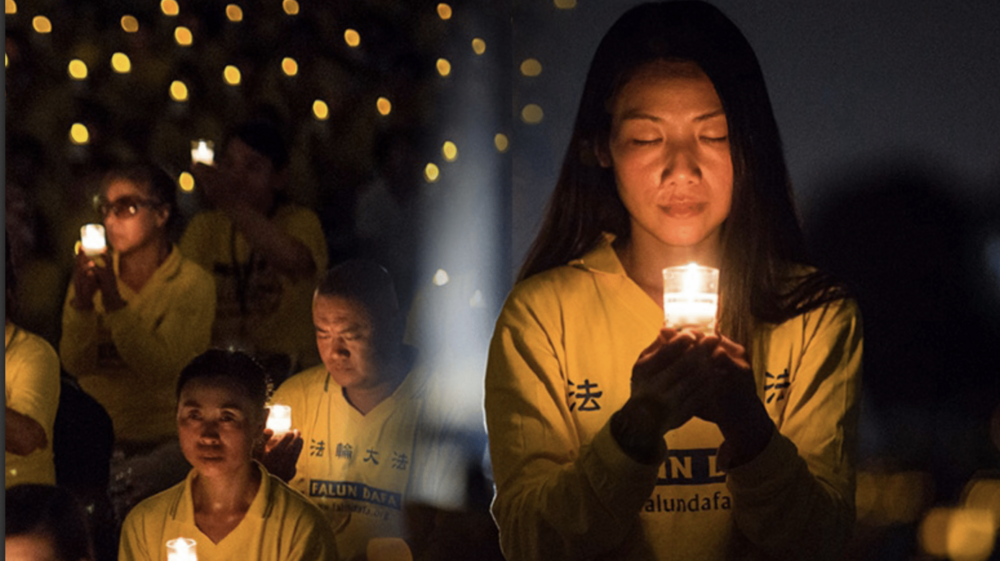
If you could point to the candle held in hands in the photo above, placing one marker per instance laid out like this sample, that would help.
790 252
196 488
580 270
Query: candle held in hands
202 151
690 296
279 419
181 549
92 239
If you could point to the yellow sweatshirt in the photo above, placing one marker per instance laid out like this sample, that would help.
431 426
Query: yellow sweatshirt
129 359
559 366
31 387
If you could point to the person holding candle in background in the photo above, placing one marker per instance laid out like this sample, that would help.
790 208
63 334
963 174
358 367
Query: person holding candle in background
379 461
265 252
229 505
133 317
31 395
615 436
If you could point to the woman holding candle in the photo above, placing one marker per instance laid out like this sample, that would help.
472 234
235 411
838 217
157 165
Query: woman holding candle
229 504
733 443
134 316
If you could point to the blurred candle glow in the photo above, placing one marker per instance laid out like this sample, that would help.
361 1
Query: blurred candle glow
181 549
92 239
202 151
690 296
279 419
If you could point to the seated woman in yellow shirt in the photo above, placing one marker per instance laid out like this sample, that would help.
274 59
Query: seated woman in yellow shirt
229 504
133 317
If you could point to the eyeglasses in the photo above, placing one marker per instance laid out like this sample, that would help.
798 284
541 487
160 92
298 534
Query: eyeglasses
123 207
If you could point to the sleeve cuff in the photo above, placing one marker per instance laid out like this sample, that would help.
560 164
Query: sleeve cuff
622 483
770 468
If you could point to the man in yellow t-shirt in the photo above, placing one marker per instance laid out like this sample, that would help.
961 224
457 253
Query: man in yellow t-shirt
373 451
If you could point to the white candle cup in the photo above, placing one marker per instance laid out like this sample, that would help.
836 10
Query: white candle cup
690 296
279 419
181 549
202 151
93 240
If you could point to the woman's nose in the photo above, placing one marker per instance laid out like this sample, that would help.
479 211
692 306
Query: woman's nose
681 166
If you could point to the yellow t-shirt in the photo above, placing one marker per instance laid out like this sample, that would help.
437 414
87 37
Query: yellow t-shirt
31 387
363 470
281 525
259 309
560 365
129 359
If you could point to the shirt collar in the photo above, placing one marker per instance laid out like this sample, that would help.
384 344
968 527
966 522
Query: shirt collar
602 259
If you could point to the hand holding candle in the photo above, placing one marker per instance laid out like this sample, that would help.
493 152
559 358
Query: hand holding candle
202 151
690 296
181 549
279 419
92 239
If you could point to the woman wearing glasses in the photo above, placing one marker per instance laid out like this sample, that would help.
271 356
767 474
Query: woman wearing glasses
133 317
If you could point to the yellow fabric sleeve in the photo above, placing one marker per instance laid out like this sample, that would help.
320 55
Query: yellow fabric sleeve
31 387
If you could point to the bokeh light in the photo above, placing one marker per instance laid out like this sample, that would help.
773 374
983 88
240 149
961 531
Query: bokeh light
444 11
443 66
352 38
449 150
440 278
186 182
232 75
321 111
183 36
983 494
291 7
431 173
41 24
971 534
565 4
384 106
478 46
501 142
78 134
289 66
120 63
170 7
531 67
11 7
178 91
130 24
532 114
77 69
234 13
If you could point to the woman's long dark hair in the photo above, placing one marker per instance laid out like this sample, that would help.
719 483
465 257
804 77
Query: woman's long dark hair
761 238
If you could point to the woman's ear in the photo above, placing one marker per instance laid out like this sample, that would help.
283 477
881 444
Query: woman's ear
602 153
162 215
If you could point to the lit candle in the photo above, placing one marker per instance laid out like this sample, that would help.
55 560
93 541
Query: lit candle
279 419
202 151
181 549
92 239
690 296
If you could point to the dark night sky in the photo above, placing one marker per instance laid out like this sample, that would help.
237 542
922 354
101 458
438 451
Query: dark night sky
853 84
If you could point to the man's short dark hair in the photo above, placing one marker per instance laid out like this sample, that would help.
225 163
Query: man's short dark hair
369 284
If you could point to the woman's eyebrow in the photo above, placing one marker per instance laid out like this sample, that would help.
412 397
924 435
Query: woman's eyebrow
711 115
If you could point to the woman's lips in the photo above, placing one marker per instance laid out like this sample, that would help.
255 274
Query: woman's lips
684 210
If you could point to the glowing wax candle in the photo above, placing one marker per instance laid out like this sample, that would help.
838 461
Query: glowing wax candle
92 239
280 419
202 151
181 549
690 296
